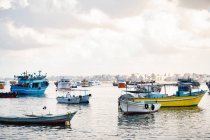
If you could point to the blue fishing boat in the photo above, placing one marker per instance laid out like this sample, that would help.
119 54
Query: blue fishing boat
30 84
39 120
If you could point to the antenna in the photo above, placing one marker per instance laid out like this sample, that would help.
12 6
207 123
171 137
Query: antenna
39 72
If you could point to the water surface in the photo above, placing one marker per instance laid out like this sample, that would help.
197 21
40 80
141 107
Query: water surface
101 119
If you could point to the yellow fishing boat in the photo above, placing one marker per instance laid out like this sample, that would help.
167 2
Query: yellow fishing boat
188 94
175 101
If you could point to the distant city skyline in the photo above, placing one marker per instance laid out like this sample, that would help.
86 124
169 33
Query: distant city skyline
76 37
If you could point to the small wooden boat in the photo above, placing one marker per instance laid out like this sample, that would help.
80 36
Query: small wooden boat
130 107
8 95
39 120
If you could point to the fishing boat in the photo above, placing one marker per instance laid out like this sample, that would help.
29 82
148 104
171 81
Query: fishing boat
94 83
85 83
78 83
39 119
115 83
2 84
122 84
64 84
30 84
73 85
128 106
208 85
12 82
187 95
8 95
74 97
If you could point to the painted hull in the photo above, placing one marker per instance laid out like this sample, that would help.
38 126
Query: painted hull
38 120
129 107
27 91
8 95
115 84
122 85
174 101
2 86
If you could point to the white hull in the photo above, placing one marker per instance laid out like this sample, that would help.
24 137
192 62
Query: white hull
73 99
129 107
63 85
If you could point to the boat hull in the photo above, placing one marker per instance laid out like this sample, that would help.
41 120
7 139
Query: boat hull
64 85
174 101
122 85
73 100
8 95
27 91
129 107
39 120
68 100
2 86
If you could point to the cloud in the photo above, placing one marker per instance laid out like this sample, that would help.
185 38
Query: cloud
115 9
94 16
195 4
14 37
53 6
85 35
13 4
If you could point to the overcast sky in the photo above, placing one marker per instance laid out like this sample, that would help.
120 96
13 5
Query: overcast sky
87 37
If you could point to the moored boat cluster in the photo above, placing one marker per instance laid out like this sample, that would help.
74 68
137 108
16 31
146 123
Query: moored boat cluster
149 94
137 98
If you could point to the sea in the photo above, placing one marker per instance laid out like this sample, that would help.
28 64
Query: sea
102 120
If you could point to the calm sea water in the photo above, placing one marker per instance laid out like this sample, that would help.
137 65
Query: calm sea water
101 119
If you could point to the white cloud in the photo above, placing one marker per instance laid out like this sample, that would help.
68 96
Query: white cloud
13 4
94 16
195 4
5 4
160 35
53 6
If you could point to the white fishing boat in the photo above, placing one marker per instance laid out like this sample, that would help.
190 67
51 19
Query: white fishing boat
74 97
85 83
94 83
64 84
130 107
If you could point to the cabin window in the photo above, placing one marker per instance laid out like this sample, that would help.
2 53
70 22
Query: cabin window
35 85
44 84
